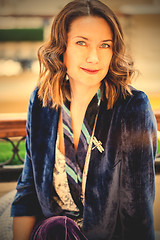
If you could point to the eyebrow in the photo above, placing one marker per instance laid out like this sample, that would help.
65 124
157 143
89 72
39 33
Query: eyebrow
108 40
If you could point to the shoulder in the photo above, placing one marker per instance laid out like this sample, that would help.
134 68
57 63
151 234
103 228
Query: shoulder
34 105
137 102
34 97
139 97
37 103
138 110
133 102
37 111
134 105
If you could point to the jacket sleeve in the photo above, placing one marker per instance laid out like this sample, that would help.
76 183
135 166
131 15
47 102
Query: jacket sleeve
26 202
137 180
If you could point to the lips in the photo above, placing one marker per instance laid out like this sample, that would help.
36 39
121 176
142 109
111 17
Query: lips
90 71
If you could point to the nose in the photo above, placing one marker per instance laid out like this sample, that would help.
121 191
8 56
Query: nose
92 56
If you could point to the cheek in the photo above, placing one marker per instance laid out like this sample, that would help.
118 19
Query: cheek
66 61
69 59
107 60
64 58
106 63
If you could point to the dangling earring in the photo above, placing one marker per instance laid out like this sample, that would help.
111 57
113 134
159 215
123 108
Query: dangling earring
67 77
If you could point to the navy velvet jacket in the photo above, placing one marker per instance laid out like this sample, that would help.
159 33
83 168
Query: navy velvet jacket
120 183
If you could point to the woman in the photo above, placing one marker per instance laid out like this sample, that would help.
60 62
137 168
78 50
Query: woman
91 138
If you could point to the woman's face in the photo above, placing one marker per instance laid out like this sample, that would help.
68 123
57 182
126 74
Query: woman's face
89 51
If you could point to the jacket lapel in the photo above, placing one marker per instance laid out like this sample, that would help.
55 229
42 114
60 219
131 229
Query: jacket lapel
99 167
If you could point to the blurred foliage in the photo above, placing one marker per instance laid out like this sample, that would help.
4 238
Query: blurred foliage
21 34
6 152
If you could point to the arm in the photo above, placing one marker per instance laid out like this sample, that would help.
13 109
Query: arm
137 171
22 227
25 206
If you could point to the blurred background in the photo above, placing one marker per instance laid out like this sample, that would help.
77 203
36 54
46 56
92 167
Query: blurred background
24 25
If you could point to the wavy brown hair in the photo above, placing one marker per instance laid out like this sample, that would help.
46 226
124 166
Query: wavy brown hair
52 84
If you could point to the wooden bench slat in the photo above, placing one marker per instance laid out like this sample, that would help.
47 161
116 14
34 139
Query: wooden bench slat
12 133
12 124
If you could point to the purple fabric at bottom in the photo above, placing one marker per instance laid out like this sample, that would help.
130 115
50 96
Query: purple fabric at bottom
57 228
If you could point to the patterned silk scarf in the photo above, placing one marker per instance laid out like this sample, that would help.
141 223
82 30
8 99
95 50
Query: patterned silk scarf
75 162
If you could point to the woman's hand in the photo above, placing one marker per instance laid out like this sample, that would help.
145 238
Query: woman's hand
22 227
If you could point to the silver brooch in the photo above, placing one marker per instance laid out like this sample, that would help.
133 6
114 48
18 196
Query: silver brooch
98 144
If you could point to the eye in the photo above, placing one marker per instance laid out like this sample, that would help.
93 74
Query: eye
81 43
105 45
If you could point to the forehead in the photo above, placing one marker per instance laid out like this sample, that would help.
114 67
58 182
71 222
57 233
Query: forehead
90 25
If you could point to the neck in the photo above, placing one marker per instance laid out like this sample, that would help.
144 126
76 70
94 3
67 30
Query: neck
82 95
80 98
